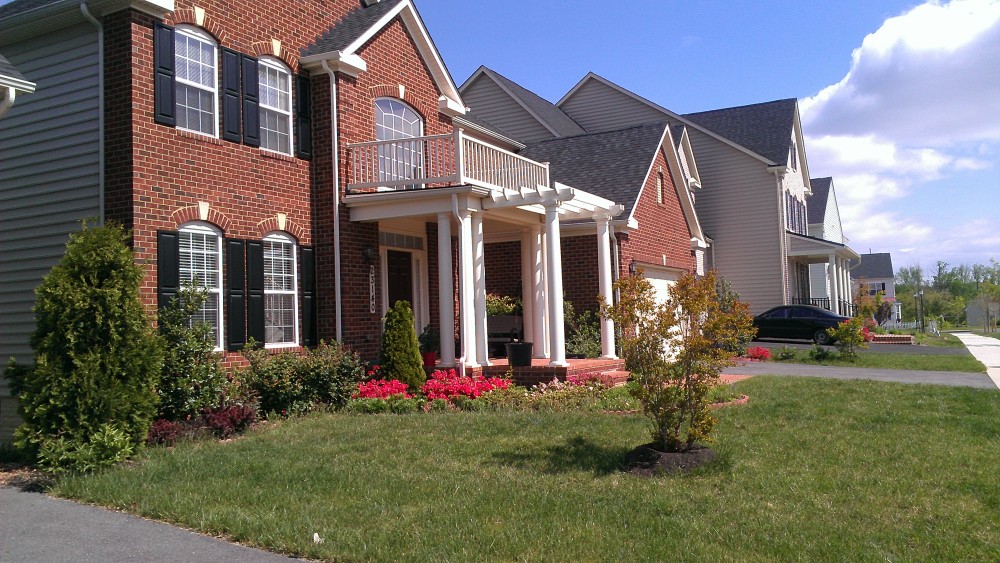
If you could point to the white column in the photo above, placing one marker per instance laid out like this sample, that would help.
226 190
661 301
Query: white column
540 349
466 289
527 297
446 299
848 288
604 283
553 259
482 352
834 284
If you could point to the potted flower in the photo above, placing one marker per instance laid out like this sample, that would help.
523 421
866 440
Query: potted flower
507 307
429 345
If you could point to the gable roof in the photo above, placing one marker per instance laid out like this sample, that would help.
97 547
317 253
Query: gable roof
339 45
816 208
878 265
765 128
611 164
544 111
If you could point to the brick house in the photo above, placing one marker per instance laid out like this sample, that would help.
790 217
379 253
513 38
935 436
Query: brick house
306 165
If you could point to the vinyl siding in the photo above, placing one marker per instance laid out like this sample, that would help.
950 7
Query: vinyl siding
49 177
738 208
819 282
598 107
492 104
832 229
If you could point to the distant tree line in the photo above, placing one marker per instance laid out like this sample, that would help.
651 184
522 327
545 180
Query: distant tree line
948 289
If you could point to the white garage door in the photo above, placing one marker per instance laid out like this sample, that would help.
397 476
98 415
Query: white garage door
661 280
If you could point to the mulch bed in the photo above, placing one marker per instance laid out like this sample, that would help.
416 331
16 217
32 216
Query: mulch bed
647 461
24 477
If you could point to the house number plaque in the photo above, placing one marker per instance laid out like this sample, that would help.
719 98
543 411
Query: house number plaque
371 289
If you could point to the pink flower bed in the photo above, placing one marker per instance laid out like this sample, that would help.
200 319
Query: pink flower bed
758 354
448 385
381 389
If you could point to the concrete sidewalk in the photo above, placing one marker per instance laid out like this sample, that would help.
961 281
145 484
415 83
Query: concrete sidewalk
36 527
952 378
986 350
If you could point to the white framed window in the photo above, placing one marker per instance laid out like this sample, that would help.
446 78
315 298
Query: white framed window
201 266
275 105
395 120
281 309
196 79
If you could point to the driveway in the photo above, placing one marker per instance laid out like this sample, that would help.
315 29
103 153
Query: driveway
986 350
774 344
952 378
36 527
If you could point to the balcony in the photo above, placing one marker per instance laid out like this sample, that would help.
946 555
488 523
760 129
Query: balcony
439 161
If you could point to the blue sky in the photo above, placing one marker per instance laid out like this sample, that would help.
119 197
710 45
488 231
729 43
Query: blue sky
900 99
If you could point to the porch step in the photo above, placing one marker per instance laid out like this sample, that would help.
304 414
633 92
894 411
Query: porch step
892 339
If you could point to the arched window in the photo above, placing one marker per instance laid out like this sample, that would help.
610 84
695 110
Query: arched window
395 120
275 81
201 266
195 60
281 312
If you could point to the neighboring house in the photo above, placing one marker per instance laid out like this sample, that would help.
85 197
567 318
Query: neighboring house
874 274
981 313
823 215
649 169
12 84
755 179
280 158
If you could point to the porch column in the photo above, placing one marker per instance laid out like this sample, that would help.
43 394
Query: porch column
604 283
446 297
482 352
834 278
537 294
553 259
527 289
466 289
848 288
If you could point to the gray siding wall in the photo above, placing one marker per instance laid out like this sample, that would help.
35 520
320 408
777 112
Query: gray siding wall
49 177
832 229
738 208
491 103
599 107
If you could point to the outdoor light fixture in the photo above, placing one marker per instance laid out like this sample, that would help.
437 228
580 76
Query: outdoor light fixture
369 254
631 267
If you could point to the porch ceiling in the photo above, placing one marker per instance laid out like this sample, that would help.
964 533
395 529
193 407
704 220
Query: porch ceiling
814 250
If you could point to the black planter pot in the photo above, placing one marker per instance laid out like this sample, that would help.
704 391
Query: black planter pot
519 353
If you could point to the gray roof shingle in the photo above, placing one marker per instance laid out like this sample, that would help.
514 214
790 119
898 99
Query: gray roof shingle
611 164
878 265
764 128
350 28
817 201
548 112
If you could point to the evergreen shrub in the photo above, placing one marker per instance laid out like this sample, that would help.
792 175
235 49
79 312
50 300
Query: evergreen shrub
399 357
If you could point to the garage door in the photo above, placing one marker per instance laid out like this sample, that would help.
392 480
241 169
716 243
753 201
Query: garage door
661 280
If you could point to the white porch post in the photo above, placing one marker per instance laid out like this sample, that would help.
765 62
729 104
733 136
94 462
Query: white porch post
446 299
848 289
604 283
834 278
538 292
527 291
553 258
466 289
482 353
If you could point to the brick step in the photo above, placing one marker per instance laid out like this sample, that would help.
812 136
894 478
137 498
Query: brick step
892 339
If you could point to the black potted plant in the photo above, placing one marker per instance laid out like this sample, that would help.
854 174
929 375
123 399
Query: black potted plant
518 352
429 345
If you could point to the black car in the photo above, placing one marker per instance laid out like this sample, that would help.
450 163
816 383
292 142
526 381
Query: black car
797 321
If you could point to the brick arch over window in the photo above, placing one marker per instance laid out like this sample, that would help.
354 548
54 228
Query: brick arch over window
187 15
266 48
193 213
270 225
425 110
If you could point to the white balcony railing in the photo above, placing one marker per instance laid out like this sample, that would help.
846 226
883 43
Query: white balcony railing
440 160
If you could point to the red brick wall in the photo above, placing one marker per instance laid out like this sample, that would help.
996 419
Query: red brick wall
503 267
580 276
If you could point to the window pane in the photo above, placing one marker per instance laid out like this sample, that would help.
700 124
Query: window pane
200 265
279 292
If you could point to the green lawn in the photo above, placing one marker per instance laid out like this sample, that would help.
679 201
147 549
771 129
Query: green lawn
810 469
943 340
923 362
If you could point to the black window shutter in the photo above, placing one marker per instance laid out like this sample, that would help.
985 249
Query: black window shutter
231 95
168 267
236 328
307 278
164 95
255 290
251 102
303 118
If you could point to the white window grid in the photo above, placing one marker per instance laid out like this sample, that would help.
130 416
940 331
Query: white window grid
396 120
201 266
281 311
196 79
275 106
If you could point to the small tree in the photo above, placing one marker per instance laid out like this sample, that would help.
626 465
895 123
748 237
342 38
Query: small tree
399 357
676 350
97 357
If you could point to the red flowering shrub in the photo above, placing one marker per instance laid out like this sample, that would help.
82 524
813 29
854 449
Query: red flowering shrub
164 432
381 389
226 421
758 353
448 385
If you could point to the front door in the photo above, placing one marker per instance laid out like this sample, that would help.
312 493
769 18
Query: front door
399 275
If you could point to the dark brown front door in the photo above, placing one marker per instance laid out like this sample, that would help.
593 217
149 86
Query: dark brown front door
399 271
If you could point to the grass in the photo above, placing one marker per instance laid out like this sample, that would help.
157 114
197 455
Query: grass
943 340
809 469
921 362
